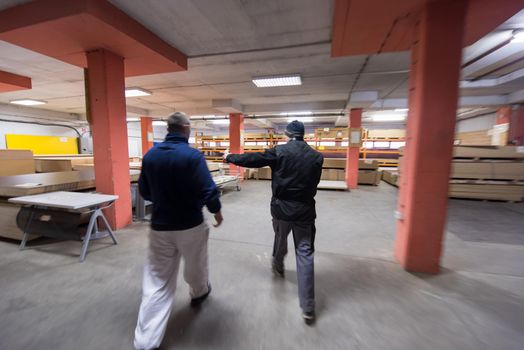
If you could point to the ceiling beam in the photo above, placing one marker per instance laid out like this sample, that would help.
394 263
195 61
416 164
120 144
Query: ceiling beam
295 107
13 82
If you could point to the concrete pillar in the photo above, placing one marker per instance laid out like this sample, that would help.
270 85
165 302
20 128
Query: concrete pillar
107 106
353 152
424 181
236 138
146 132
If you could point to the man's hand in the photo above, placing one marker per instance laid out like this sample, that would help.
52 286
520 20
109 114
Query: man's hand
224 156
218 218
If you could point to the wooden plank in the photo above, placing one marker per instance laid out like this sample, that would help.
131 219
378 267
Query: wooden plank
24 185
16 162
332 185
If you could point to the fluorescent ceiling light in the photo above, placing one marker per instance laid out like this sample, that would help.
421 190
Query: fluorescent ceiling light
136 92
401 109
220 121
277 80
303 120
133 119
388 117
159 123
28 102
518 36
297 113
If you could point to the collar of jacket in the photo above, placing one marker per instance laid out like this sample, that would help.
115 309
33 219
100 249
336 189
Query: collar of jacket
176 137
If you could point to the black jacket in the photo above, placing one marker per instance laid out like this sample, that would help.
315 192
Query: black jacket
295 170
176 179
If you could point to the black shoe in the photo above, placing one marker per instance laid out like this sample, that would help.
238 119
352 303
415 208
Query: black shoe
277 271
196 302
309 317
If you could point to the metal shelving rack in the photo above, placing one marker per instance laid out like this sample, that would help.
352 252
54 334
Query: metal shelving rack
393 154
214 146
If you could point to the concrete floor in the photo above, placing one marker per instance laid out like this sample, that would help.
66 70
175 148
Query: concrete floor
364 299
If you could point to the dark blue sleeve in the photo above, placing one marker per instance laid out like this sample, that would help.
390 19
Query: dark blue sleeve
143 185
205 186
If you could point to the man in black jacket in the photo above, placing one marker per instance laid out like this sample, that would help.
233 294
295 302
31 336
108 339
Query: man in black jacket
296 170
176 179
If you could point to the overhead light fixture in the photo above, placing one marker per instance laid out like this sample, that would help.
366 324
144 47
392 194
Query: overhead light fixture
303 120
388 117
137 92
159 123
220 121
133 119
401 109
277 80
28 102
518 36
297 113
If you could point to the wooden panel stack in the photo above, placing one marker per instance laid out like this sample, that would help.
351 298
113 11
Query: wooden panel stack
485 172
473 138
491 173
334 169
390 176
16 162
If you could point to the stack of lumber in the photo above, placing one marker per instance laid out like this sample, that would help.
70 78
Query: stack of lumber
334 169
481 137
16 162
386 134
390 176
332 133
56 164
487 172
263 173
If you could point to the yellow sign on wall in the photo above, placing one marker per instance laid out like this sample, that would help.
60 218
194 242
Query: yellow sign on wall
43 144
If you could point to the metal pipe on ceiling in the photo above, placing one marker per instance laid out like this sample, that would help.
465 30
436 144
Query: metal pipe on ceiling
276 116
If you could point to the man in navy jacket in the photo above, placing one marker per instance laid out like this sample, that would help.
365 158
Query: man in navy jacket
176 179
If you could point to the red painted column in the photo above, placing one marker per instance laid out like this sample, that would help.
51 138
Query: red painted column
236 138
424 181
146 132
516 126
353 153
107 105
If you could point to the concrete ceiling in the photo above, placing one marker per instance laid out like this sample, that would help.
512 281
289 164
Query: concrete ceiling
230 41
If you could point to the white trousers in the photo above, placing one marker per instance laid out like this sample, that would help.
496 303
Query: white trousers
160 278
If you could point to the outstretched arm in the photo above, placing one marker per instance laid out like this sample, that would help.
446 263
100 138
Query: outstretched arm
254 160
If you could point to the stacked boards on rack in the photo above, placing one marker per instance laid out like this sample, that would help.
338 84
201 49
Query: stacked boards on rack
334 169
491 173
482 172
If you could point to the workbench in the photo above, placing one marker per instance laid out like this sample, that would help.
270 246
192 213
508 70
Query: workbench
38 213
32 184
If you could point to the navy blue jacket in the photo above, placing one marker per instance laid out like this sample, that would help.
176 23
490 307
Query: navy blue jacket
175 177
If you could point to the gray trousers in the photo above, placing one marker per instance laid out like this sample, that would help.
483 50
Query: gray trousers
304 239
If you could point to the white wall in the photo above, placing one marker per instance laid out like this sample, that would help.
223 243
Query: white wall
134 139
30 129
484 122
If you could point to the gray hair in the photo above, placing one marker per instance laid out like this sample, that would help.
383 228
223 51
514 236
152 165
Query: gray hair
177 122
